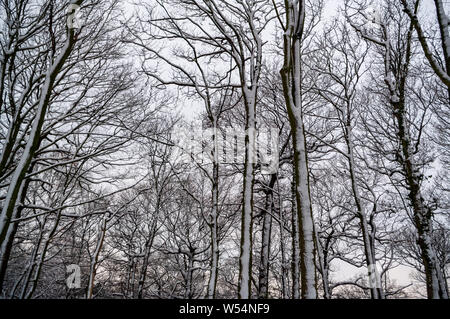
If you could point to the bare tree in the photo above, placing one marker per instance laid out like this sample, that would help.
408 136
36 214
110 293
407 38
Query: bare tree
396 51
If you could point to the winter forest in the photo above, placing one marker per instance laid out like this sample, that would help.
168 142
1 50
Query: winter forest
224 149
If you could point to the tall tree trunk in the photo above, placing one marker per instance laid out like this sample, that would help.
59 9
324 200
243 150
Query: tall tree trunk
322 256
396 77
444 26
245 258
376 291
212 283
435 280
295 248
284 265
189 274
263 285
148 247
94 260
6 248
38 258
292 86
422 214
34 138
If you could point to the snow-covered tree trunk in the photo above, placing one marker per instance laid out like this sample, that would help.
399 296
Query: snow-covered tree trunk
442 71
95 256
245 257
213 223
10 140
38 257
263 286
32 264
295 248
6 248
250 73
292 87
212 283
444 27
147 250
131 269
34 136
322 257
16 36
436 286
189 275
374 278
283 249
422 214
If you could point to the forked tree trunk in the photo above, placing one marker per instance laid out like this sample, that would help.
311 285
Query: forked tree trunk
292 86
